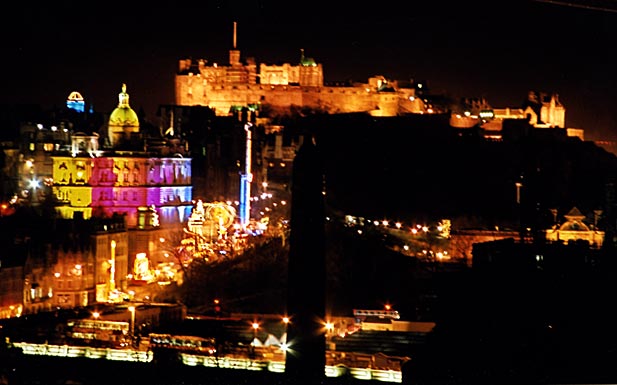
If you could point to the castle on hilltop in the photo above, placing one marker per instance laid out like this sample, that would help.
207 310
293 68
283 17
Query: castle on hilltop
278 88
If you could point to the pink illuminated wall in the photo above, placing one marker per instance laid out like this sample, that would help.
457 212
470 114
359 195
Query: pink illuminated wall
123 184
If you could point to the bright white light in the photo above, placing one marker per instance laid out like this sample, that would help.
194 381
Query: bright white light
329 326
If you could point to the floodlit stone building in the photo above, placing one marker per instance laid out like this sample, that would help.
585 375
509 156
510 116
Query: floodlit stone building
278 88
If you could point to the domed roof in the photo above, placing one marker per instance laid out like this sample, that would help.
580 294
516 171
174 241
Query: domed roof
123 115
75 97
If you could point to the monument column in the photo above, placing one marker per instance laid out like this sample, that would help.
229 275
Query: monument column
306 357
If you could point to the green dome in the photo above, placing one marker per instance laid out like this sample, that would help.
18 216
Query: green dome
306 61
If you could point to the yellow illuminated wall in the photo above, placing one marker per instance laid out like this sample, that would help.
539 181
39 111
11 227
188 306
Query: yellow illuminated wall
102 186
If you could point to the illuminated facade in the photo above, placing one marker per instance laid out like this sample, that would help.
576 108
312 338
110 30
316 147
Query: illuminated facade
221 87
90 262
541 111
574 229
76 102
122 185
90 182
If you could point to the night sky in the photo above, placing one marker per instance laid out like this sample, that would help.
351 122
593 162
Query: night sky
499 50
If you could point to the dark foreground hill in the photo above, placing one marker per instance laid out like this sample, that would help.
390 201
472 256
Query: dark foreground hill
418 166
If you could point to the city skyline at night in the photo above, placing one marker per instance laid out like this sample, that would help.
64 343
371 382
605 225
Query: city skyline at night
495 253
465 50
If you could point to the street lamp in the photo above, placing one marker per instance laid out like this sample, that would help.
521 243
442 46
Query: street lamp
284 346
518 192
132 324
519 185
95 315
255 328
329 328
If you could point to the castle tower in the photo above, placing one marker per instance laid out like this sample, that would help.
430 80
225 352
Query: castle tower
234 53
305 360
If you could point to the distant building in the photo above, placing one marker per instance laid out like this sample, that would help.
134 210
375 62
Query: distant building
575 229
279 88
540 110
73 264
90 261
12 268
123 179
462 241
76 102
512 257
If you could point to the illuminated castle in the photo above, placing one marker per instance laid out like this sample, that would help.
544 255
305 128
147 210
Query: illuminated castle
146 184
540 110
279 87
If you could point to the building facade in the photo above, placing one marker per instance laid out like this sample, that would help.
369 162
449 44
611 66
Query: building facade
90 262
123 180
575 229
12 267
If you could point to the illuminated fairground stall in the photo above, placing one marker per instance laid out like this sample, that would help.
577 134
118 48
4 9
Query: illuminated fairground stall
212 232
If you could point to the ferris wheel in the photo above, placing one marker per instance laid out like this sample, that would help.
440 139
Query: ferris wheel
221 213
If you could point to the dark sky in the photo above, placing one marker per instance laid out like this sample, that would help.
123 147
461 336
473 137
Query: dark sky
499 50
